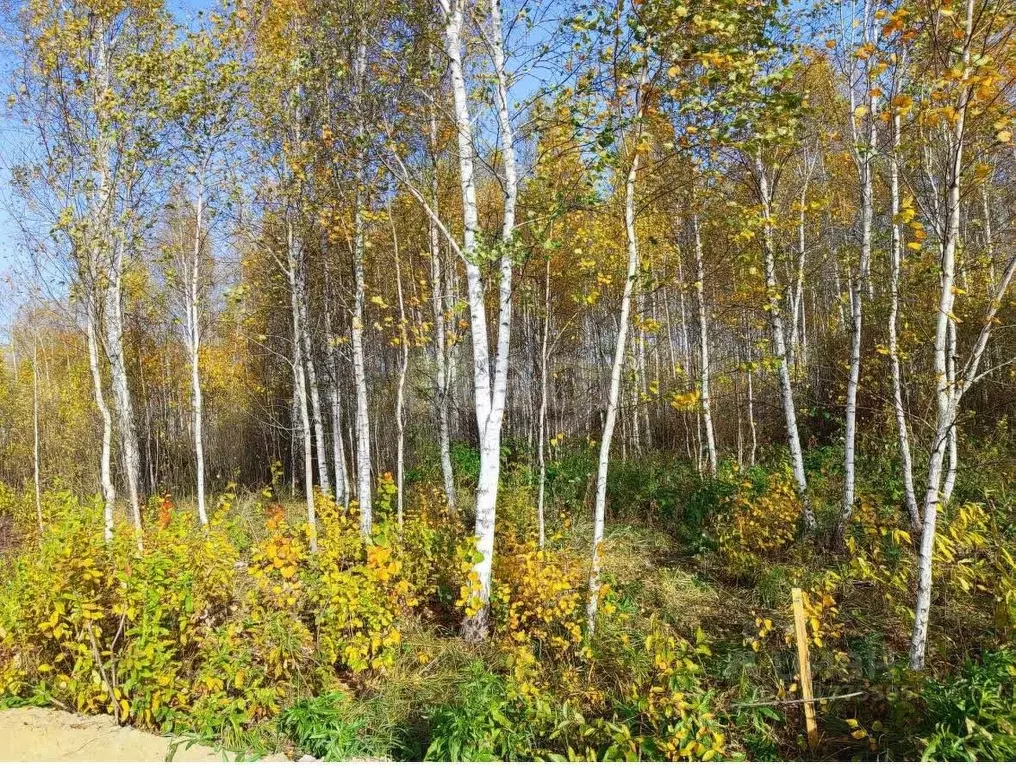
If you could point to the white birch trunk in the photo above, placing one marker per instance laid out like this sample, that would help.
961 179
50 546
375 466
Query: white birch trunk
864 156
312 384
693 453
301 408
599 510
542 419
944 389
952 454
751 417
797 333
617 367
400 398
896 263
489 400
363 450
121 389
35 433
779 342
105 471
440 345
193 311
707 412
335 399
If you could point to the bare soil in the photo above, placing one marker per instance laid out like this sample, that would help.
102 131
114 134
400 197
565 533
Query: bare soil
35 734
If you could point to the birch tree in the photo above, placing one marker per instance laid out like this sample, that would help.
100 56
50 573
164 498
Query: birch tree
202 104
92 80
630 150
963 45
489 390
864 141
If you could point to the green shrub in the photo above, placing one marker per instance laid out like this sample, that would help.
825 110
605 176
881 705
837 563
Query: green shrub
335 727
485 725
973 713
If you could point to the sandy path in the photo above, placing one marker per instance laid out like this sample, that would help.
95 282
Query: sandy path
35 734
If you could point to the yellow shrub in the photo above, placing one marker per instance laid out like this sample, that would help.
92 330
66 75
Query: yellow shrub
754 525
102 628
357 591
667 713
539 596
432 544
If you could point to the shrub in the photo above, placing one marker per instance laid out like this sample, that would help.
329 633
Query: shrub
756 521
660 711
486 723
333 726
539 596
103 628
186 636
973 713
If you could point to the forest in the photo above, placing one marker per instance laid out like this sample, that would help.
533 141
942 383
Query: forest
513 379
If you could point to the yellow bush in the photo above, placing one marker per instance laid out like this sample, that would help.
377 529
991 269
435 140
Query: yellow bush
102 628
358 591
753 525
187 634
539 597
667 713
432 545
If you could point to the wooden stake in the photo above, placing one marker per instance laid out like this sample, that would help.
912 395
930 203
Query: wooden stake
804 667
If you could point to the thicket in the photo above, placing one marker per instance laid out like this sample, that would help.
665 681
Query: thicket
239 636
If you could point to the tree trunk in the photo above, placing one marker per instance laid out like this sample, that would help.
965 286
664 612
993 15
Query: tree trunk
944 389
440 359
489 400
301 408
863 157
335 397
542 425
779 342
400 398
707 412
35 432
121 390
952 452
599 510
896 263
315 395
363 452
193 311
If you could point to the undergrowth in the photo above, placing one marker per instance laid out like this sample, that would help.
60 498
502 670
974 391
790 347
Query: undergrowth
241 636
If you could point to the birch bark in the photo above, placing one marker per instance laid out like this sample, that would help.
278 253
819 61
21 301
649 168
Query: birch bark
193 312
440 339
363 450
896 263
613 395
779 342
707 412
863 158
400 398
944 390
312 385
542 419
489 396
301 409
35 433
121 389
105 472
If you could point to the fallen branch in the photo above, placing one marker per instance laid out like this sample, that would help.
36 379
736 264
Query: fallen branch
798 701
